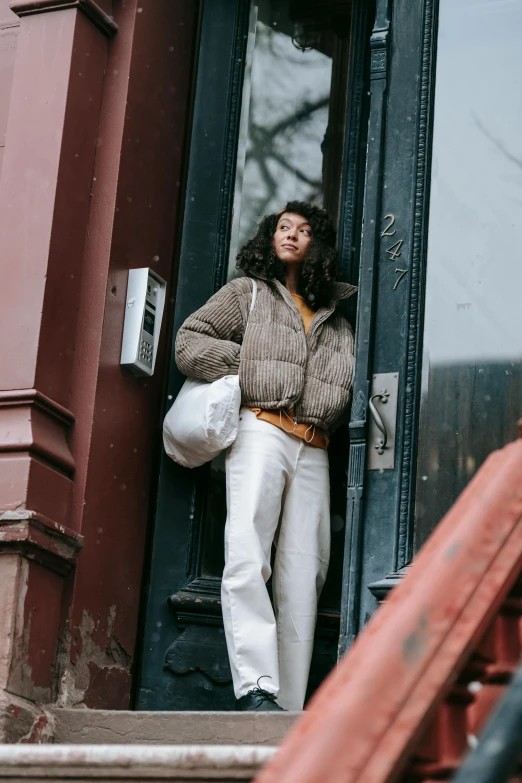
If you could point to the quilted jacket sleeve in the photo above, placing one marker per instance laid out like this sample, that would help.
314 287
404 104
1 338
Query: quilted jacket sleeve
209 342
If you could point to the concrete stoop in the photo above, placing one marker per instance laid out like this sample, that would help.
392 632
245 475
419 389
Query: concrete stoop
118 727
186 763
105 745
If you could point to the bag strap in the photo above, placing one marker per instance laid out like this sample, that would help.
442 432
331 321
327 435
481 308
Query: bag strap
252 303
254 295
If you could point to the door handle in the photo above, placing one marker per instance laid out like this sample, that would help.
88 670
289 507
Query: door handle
382 405
381 442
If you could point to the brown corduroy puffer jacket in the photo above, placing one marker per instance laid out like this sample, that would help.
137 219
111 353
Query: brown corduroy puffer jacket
278 365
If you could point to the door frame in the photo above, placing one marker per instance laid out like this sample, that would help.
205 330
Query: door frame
380 514
184 664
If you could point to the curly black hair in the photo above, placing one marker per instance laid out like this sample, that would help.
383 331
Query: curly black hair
320 265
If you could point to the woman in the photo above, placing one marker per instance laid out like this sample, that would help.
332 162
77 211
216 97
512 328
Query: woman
295 365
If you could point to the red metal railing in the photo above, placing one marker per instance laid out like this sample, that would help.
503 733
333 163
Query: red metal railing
426 671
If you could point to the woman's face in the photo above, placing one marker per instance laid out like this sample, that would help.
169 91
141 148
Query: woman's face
292 237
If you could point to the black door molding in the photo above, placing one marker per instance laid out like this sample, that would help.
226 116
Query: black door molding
178 534
379 44
380 514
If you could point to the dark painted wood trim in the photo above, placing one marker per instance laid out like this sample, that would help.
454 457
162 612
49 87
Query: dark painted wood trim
383 587
417 289
353 162
413 196
379 45
202 269
230 157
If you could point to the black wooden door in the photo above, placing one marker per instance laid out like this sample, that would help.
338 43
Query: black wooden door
374 157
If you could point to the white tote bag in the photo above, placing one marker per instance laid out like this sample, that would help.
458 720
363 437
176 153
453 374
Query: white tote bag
204 418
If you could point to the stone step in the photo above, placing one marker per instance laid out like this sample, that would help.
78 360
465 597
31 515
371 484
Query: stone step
122 727
183 764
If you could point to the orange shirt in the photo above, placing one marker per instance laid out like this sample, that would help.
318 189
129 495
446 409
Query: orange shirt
307 313
285 419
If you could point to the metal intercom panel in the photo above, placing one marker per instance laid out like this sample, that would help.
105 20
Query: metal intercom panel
144 307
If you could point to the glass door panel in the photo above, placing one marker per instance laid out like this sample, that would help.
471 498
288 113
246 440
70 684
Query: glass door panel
293 113
472 361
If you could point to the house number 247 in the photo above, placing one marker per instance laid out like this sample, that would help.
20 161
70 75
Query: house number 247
395 250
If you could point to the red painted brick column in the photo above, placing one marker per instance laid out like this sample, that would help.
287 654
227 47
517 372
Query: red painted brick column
44 207
90 187
116 439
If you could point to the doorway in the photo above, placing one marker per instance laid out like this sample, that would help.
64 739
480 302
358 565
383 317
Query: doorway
279 113
437 371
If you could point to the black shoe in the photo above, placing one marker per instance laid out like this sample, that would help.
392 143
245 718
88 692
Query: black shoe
259 701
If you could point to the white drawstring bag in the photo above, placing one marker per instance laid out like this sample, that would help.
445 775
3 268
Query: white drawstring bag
204 418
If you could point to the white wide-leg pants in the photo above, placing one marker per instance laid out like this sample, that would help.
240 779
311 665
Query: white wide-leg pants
277 488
